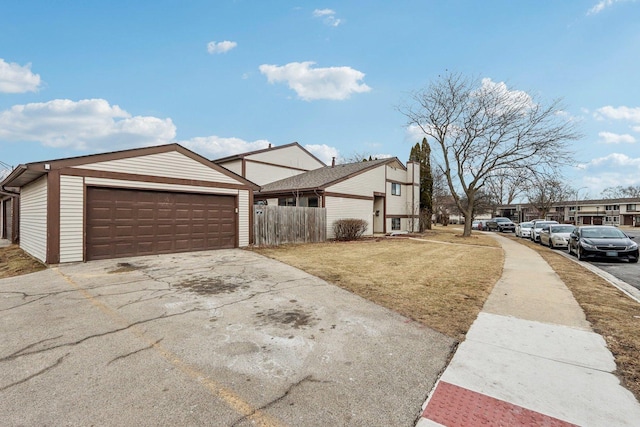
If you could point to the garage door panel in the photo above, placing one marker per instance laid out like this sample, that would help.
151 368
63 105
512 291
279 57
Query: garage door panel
122 222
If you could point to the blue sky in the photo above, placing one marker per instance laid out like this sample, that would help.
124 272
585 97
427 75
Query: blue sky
223 77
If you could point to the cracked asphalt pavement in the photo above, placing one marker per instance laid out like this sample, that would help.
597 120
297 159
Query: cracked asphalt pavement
226 338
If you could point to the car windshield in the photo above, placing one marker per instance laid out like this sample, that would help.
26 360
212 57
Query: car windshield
502 220
603 233
542 224
525 225
562 229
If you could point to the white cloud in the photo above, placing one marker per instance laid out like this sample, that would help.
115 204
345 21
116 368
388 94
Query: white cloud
328 16
618 113
614 160
220 47
609 171
615 138
517 98
336 83
215 147
89 124
601 5
323 152
15 78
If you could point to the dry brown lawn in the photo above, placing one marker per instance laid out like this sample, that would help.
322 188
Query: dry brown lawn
420 279
14 262
611 313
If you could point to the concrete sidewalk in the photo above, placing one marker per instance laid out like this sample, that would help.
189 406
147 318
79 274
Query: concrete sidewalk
530 358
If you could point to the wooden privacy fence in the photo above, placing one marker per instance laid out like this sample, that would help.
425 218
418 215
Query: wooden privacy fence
275 225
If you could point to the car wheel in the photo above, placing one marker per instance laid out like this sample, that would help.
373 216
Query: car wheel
633 261
550 244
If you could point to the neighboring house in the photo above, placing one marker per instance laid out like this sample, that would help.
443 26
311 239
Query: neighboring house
624 211
383 192
144 201
271 164
8 216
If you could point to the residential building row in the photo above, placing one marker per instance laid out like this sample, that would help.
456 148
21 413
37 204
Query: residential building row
168 199
624 211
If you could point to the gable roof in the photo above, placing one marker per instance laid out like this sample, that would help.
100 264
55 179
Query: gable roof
264 150
26 173
319 179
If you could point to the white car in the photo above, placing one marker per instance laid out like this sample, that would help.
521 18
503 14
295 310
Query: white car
556 235
536 228
523 229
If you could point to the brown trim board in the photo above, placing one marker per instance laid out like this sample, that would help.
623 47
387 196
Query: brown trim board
53 218
149 178
348 196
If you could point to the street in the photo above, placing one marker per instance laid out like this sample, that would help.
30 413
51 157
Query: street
623 270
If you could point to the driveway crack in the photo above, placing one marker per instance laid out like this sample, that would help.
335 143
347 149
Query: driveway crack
30 377
149 347
308 378
22 351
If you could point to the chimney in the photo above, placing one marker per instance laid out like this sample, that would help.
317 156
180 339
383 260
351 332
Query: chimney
269 145
333 162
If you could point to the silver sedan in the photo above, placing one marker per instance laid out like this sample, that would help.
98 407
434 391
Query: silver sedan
556 235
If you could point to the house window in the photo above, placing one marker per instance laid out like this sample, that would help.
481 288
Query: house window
395 189
313 202
612 207
287 201
631 208
395 223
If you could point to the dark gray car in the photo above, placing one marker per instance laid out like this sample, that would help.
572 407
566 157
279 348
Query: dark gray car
602 241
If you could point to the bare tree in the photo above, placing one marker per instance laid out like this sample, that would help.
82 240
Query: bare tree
356 157
440 197
546 193
621 192
482 129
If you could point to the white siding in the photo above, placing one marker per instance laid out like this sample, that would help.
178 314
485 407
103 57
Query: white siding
408 203
364 184
170 165
395 174
71 218
243 218
342 208
243 197
262 174
33 218
289 156
157 186
398 205
234 166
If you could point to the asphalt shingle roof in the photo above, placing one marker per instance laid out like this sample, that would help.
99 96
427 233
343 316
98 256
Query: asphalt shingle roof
323 177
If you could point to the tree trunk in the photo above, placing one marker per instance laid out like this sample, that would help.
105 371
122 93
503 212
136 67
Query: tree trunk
468 222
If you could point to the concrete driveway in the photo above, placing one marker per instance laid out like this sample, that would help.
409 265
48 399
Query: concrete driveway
209 338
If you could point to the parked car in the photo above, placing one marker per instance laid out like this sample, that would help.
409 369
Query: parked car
602 241
523 229
474 224
501 224
556 235
536 228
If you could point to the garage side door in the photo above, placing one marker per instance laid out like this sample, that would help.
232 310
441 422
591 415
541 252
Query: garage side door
124 222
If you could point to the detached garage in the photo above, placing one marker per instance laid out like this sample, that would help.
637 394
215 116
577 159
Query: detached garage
146 201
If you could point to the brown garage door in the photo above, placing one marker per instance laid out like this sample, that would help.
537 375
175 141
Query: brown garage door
135 222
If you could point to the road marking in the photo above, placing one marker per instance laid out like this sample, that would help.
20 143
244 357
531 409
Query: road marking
228 396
